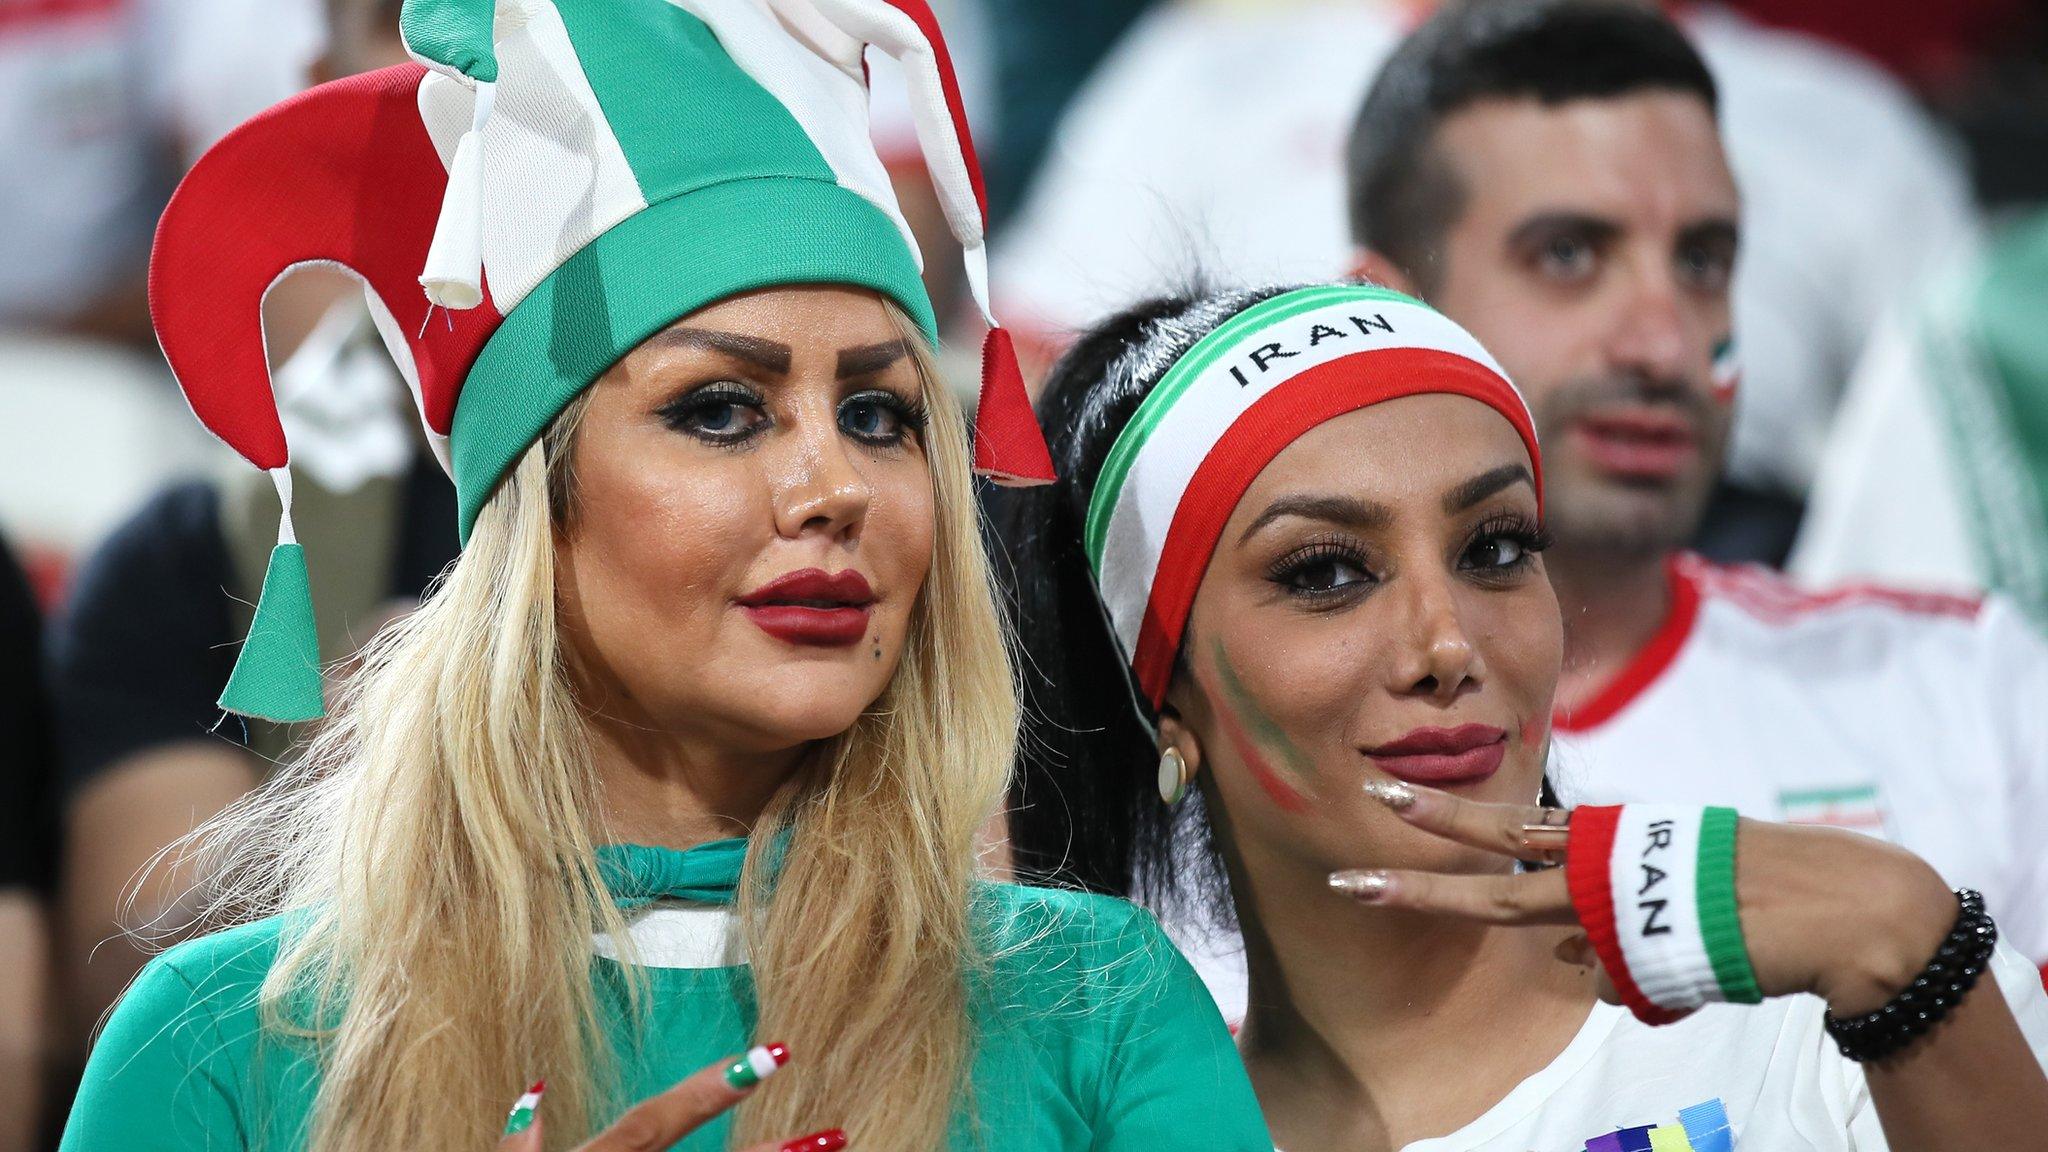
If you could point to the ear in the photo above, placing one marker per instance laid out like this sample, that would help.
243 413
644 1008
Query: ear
1174 734
1368 264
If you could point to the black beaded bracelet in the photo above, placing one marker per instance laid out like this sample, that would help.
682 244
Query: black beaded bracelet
1962 957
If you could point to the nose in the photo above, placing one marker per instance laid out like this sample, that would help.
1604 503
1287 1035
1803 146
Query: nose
1651 338
1436 657
819 486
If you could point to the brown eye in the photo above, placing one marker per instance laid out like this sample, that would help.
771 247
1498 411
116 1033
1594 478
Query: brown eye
1322 570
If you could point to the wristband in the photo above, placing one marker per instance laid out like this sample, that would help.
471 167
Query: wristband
1654 887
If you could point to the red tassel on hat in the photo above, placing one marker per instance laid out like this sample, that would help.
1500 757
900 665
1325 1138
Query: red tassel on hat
1009 448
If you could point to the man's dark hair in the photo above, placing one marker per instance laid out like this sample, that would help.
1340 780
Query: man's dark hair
1402 194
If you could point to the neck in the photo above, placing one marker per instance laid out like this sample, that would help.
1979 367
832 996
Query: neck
1613 603
1370 1028
670 791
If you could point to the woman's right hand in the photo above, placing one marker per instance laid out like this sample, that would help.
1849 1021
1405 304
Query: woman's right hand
658 1122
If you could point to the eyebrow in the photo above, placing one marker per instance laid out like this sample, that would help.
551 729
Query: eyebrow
1345 510
1486 484
1535 228
871 358
1719 230
769 354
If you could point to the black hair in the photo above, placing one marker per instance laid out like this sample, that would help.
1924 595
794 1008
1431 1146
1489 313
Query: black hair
1085 809
1402 193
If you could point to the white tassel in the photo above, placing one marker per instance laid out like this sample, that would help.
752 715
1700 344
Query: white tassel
454 275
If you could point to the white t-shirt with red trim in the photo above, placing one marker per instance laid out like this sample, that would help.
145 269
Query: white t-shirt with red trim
1919 718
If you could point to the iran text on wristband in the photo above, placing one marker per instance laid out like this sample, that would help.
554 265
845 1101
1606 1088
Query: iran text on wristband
1654 887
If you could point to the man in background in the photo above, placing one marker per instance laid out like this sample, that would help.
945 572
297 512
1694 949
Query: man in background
1212 139
1551 176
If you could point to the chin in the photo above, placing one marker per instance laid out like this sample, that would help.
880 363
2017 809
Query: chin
804 703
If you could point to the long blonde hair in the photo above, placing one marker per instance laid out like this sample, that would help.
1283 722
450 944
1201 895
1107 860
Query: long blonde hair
433 855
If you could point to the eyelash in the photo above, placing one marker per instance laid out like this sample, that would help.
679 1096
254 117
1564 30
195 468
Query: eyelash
679 413
1329 549
1528 537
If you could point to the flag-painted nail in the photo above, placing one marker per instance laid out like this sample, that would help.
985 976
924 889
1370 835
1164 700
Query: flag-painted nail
1367 886
521 1117
830 1140
759 1063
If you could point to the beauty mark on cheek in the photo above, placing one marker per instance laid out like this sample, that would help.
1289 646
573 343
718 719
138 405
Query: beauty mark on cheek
1247 727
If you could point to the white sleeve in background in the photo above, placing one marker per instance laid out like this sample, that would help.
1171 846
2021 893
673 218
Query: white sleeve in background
1887 503
1211 141
2016 681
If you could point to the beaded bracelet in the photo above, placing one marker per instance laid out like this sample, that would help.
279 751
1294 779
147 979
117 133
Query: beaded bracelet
1948 977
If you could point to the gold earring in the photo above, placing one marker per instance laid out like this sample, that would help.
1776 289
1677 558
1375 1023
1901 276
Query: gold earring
1173 776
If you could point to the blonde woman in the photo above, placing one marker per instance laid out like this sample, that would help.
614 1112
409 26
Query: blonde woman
683 765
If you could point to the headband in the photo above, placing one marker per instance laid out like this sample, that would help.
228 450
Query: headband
1226 408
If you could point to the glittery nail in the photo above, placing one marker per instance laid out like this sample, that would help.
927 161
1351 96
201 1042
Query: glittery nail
1394 794
1365 886
758 1064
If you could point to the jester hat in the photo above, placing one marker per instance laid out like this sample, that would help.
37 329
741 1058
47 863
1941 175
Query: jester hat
551 183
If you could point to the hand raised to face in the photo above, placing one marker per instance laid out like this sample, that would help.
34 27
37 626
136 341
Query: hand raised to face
1856 946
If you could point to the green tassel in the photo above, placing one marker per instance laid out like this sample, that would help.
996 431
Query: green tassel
277 677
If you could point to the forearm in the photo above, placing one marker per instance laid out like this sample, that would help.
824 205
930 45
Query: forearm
1969 1084
24 990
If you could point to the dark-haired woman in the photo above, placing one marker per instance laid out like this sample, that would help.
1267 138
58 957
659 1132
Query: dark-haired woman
1294 562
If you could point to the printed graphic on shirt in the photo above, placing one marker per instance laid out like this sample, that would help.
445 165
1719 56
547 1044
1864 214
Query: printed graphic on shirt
1700 1128
1856 807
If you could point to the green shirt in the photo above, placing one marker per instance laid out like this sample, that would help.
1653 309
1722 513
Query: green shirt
1092 1033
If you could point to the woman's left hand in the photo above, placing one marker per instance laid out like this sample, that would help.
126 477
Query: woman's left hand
1847 917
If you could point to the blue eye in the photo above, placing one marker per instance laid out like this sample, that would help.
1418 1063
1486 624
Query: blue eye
722 413
879 418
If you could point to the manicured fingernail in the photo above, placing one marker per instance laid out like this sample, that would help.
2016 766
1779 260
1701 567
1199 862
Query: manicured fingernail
1366 886
759 1063
830 1140
1394 794
523 1109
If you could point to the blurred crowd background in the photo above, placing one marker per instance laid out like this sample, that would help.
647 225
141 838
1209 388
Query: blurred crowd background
1891 312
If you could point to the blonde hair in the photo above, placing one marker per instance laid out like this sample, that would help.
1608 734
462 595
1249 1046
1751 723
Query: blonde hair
433 853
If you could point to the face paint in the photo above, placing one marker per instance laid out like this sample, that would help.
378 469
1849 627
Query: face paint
1727 370
1242 712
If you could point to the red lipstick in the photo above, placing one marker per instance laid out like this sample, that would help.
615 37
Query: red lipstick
813 607
1440 756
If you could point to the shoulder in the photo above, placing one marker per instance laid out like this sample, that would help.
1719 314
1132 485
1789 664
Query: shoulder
1025 920
216 975
1768 607
1066 947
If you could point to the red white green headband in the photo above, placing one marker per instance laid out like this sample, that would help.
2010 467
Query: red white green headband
1654 887
1227 408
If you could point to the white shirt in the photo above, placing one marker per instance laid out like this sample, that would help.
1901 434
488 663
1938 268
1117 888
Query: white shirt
1919 718
1212 141
1772 1068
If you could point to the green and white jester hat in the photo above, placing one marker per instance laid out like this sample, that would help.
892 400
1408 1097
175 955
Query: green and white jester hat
563 178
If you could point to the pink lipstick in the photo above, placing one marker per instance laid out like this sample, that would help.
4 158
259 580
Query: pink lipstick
813 607
1441 756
